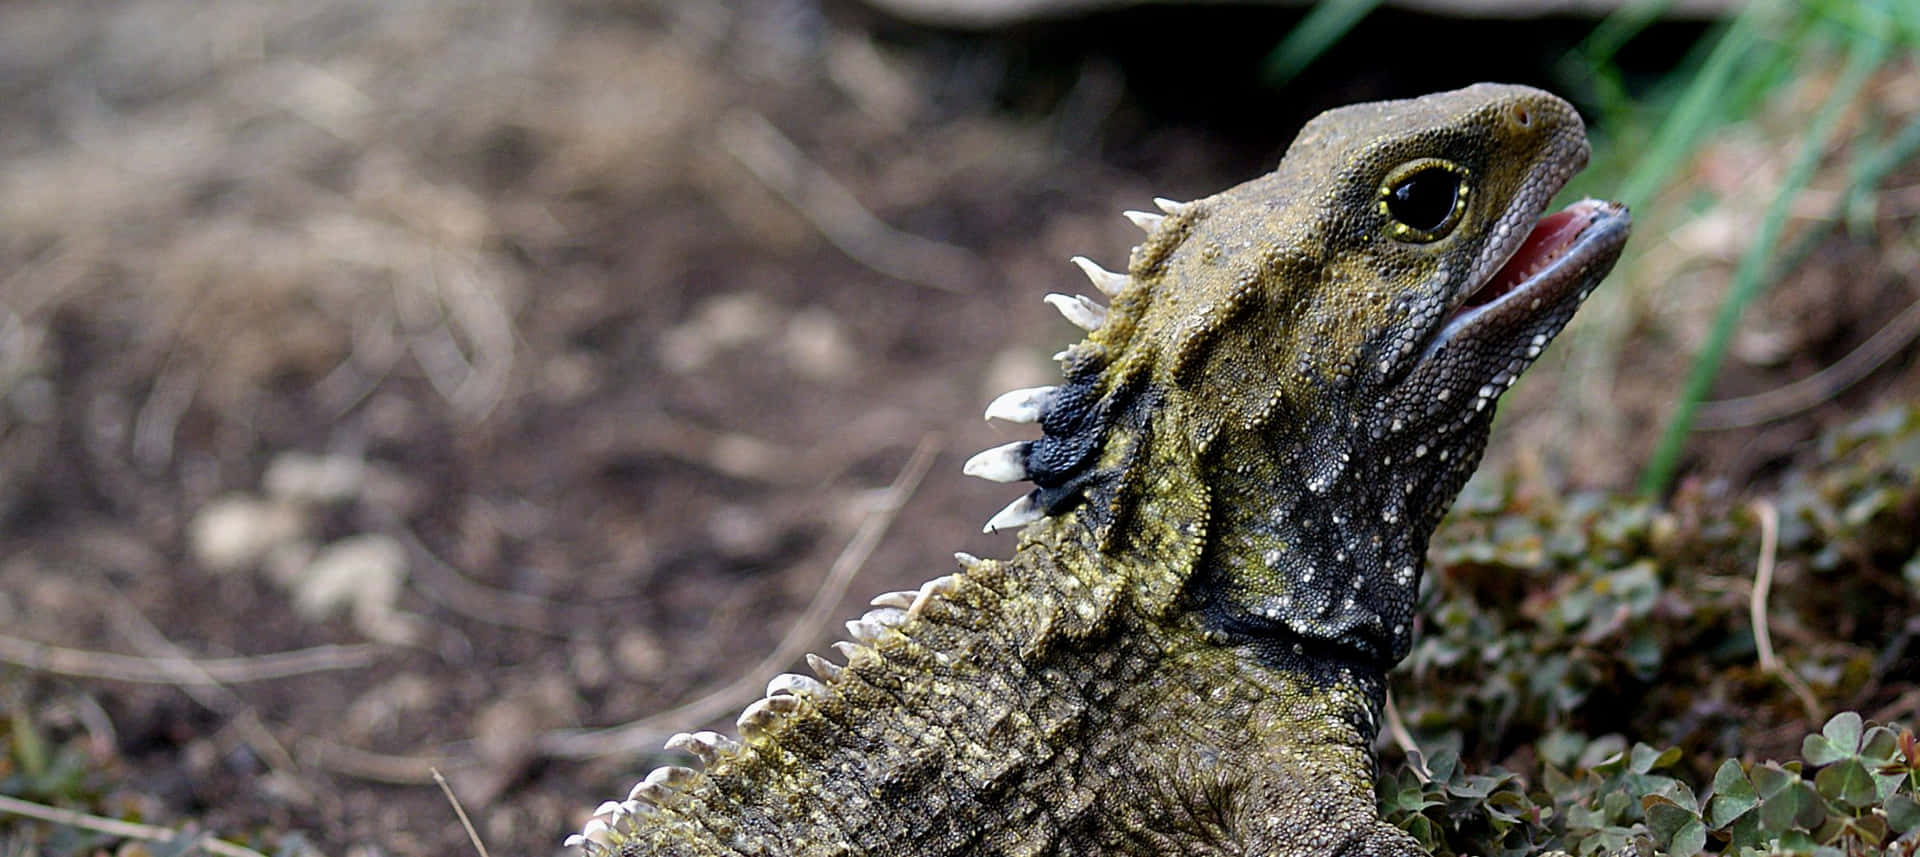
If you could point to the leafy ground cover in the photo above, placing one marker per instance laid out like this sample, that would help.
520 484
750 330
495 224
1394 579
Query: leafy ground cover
1635 682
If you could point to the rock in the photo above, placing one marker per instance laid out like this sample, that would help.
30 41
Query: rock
237 531
299 476
364 574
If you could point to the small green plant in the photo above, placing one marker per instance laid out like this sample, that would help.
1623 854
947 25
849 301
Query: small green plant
34 770
1860 802
1554 626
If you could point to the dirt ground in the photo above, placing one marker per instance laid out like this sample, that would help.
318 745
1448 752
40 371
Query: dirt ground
527 367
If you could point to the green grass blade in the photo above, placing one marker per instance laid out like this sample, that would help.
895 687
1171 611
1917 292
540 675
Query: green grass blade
1321 28
1592 60
1867 173
1696 107
1748 279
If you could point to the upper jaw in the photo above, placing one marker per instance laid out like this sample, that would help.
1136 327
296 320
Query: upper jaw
1515 227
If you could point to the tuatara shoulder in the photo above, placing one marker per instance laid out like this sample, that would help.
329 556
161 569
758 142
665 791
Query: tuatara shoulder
1231 498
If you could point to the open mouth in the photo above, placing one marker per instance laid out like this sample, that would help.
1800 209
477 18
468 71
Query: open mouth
1552 262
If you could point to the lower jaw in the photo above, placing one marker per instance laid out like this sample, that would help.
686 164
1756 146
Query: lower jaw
1564 256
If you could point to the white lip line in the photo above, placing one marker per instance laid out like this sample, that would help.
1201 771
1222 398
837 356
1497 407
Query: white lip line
1585 207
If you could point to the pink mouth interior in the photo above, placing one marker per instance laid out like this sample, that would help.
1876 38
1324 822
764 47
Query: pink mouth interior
1549 238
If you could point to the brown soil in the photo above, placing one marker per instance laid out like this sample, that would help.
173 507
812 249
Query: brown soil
587 313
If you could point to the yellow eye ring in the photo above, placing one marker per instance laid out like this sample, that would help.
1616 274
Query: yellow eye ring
1422 199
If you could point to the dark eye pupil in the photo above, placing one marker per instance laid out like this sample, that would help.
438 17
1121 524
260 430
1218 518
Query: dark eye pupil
1425 199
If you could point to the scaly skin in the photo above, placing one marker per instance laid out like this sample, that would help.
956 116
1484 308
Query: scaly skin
1234 491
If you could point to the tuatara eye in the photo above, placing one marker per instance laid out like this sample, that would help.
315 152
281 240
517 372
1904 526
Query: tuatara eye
1424 199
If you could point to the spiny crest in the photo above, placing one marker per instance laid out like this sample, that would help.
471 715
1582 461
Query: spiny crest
1072 417
615 824
1069 414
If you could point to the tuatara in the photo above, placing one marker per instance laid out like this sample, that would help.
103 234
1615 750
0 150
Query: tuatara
1233 494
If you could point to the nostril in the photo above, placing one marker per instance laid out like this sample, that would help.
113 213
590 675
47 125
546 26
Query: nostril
1522 115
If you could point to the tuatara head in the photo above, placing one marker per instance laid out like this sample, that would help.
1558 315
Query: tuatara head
1324 346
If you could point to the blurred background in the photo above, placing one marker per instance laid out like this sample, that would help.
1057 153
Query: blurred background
396 386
